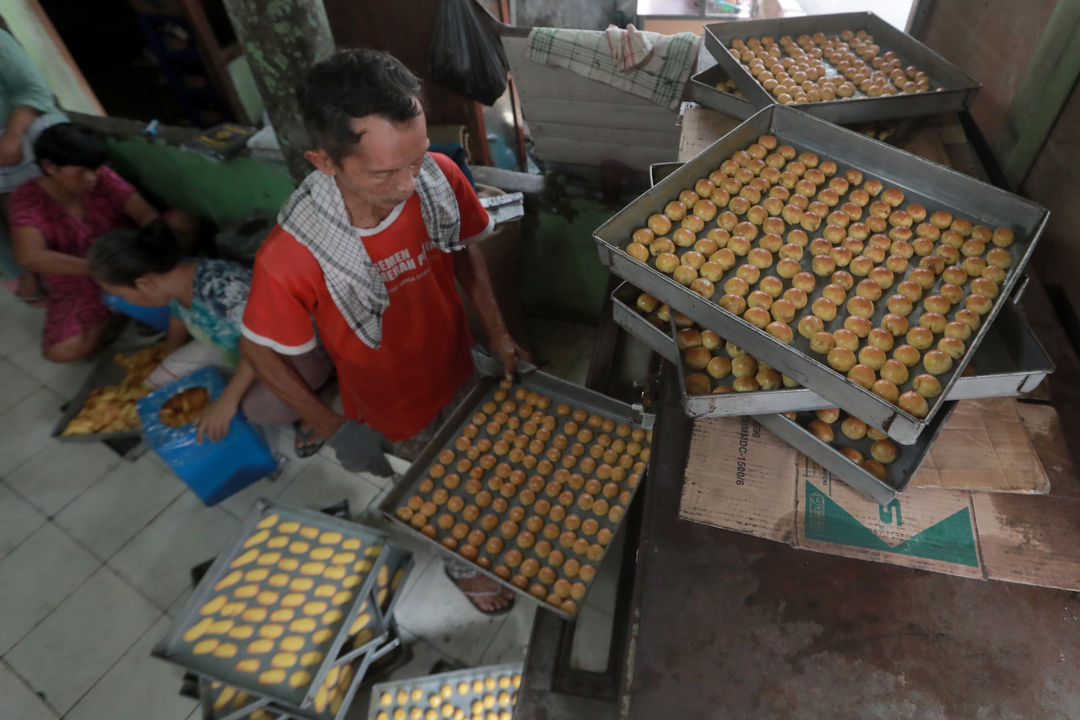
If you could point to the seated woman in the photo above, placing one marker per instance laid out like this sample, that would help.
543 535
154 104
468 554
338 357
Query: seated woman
207 300
56 217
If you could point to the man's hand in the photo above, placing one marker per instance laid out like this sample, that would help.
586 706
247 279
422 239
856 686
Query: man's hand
11 151
511 353
360 448
214 423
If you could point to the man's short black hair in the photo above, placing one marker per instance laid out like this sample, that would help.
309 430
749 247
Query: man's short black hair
71 144
354 84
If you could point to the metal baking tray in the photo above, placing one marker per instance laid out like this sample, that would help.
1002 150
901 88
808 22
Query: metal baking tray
827 455
704 92
421 692
939 188
373 551
655 336
953 89
559 391
104 372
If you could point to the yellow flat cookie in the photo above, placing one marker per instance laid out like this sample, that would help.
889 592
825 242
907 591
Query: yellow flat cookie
314 607
402 697
341 598
225 650
267 597
303 625
332 676
293 599
301 584
245 558
312 568
417 695
289 526
205 646
223 699
320 699
220 627
230 579
258 647
332 616
362 566
397 579
383 577
292 643
363 638
256 614
272 677
242 632
246 591
268 558
278 580
322 553
289 564
343 558
309 532
299 547
325 591
268 521
257 538
300 678
310 658
334 572
196 631
283 660
271 631
351 581
359 623
374 551
321 636
256 575
232 609
350 544
330 538
247 665
214 605
277 542
283 615
381 597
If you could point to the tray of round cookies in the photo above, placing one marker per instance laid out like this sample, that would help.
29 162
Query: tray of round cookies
803 243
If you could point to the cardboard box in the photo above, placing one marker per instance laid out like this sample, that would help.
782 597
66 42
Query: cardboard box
741 477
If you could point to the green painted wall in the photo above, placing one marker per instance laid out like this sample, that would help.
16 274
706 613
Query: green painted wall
223 192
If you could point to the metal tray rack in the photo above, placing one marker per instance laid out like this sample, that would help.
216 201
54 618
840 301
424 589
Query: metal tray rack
899 472
362 553
953 89
559 391
495 687
934 186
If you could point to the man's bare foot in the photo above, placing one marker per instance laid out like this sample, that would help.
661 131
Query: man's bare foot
486 595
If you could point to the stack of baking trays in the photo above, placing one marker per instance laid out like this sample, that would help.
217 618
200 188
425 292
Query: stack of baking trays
843 291
290 617
528 481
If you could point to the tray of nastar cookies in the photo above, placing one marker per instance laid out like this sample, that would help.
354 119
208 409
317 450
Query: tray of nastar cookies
104 407
811 243
485 692
273 612
528 481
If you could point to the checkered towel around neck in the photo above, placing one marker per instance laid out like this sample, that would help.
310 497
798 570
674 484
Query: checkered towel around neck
316 216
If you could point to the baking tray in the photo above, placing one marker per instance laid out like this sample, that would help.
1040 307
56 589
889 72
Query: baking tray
704 92
952 191
104 372
372 551
953 89
623 312
559 391
900 471
447 688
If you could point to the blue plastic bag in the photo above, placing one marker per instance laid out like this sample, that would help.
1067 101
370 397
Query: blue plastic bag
155 316
214 471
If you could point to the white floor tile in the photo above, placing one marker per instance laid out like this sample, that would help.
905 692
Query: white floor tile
138 687
180 601
23 326
15 384
120 504
240 503
37 576
438 613
592 640
26 428
18 519
29 359
511 642
87 634
19 702
69 380
320 483
157 560
60 472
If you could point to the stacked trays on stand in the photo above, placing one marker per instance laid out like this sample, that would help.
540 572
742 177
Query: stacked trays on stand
487 692
290 617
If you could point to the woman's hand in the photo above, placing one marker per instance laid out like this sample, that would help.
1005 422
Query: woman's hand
11 150
214 423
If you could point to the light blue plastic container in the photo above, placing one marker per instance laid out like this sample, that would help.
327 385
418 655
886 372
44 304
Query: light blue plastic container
214 471
154 316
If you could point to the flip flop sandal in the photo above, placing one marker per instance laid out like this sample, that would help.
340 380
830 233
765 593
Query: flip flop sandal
306 443
479 594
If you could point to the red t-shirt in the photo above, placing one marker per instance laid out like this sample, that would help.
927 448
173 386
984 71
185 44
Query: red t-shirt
424 355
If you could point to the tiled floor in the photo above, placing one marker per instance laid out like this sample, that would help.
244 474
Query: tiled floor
95 551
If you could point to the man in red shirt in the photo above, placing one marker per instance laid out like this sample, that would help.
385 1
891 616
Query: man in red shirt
366 251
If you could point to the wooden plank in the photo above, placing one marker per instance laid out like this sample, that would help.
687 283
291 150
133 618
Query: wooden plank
701 128
1046 85
595 134
600 114
574 152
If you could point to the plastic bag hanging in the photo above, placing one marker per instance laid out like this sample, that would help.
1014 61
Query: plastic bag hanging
466 53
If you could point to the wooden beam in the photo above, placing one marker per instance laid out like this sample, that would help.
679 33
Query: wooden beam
1046 85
